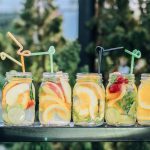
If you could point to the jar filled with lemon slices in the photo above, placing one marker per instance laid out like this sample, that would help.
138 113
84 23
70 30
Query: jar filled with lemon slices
88 100
143 109
121 100
55 99
18 99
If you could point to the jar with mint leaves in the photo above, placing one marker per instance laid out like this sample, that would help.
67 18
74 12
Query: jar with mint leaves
121 100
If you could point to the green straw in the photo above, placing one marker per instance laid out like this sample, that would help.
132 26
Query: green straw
135 54
50 52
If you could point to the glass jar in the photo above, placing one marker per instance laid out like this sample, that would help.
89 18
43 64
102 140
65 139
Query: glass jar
121 100
88 100
18 99
143 109
55 100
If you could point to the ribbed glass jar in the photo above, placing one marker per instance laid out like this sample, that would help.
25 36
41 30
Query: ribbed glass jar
143 109
121 100
88 100
55 100
18 99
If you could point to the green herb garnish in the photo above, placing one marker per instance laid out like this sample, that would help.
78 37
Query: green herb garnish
127 101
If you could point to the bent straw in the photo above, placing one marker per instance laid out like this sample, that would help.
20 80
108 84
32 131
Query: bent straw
135 54
20 50
3 56
50 52
100 50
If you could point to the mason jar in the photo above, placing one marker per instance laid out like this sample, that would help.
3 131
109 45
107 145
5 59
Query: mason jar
18 99
143 109
88 100
121 100
55 99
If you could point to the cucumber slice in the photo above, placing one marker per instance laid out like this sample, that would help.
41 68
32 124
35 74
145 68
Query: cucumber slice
16 115
126 120
112 116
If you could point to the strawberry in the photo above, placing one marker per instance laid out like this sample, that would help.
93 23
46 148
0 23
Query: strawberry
115 88
30 104
126 81
120 79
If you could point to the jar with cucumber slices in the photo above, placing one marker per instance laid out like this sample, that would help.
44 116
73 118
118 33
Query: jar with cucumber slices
121 100
55 99
88 100
18 99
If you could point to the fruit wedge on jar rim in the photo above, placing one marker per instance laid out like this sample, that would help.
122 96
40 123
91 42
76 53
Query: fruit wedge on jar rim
88 100
121 99
55 99
18 99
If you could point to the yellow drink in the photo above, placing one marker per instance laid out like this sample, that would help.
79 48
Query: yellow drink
88 100
121 99
55 100
143 109
18 99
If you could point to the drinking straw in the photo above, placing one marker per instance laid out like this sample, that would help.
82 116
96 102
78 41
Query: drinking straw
50 52
3 56
20 51
100 50
135 54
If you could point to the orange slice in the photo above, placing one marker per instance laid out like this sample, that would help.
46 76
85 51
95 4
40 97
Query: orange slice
143 114
144 96
112 98
53 89
56 113
23 99
66 89
46 101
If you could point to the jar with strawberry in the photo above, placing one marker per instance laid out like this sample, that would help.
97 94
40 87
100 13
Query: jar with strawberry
18 99
88 100
55 99
121 100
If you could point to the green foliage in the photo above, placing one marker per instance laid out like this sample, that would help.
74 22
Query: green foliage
115 25
37 28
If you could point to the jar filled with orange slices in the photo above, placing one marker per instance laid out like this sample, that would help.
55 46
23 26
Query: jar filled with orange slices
18 99
121 100
143 109
55 99
88 100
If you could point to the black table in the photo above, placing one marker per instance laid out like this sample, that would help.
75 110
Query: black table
37 132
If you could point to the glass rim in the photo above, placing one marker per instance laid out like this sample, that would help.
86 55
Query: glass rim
145 75
49 74
20 74
86 73
123 74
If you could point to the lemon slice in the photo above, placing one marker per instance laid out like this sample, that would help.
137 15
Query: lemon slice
112 116
13 93
88 100
16 115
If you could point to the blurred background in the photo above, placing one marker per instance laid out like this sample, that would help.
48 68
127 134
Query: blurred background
75 28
